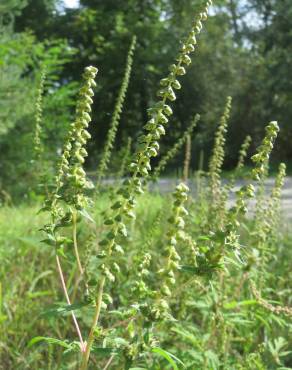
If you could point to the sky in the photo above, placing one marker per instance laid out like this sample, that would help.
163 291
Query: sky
71 3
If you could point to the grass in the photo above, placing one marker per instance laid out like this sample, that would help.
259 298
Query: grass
29 284
30 289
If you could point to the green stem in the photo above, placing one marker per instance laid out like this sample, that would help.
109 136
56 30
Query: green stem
86 354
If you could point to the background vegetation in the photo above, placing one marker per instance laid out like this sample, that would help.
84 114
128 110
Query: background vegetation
245 53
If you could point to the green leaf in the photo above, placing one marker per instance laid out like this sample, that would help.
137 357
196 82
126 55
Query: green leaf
49 340
199 270
61 310
117 205
86 215
169 357
50 242
109 221
234 304
104 351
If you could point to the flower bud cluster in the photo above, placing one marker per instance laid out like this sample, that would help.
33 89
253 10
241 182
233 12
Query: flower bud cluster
140 286
116 115
71 178
175 234
243 153
279 182
286 310
259 174
149 146
76 175
160 112
261 158
217 158
38 116
144 259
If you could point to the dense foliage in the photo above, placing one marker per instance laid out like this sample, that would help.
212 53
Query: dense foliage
245 53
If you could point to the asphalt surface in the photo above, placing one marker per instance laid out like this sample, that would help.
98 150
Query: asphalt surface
167 185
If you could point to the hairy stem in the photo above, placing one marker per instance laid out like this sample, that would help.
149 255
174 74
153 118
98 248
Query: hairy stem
74 222
69 303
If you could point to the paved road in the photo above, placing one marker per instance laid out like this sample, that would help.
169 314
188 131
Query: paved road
168 185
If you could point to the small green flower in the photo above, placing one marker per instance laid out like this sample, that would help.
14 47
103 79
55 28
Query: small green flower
243 153
38 116
116 115
172 259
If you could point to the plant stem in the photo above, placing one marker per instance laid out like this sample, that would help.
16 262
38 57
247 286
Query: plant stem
109 362
74 221
86 353
69 303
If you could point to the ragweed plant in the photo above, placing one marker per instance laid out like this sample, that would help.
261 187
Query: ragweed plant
267 305
187 159
124 204
38 117
40 165
266 226
116 115
243 153
236 213
226 189
152 305
172 258
69 196
224 234
73 151
217 158
261 158
259 174
174 150
266 230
